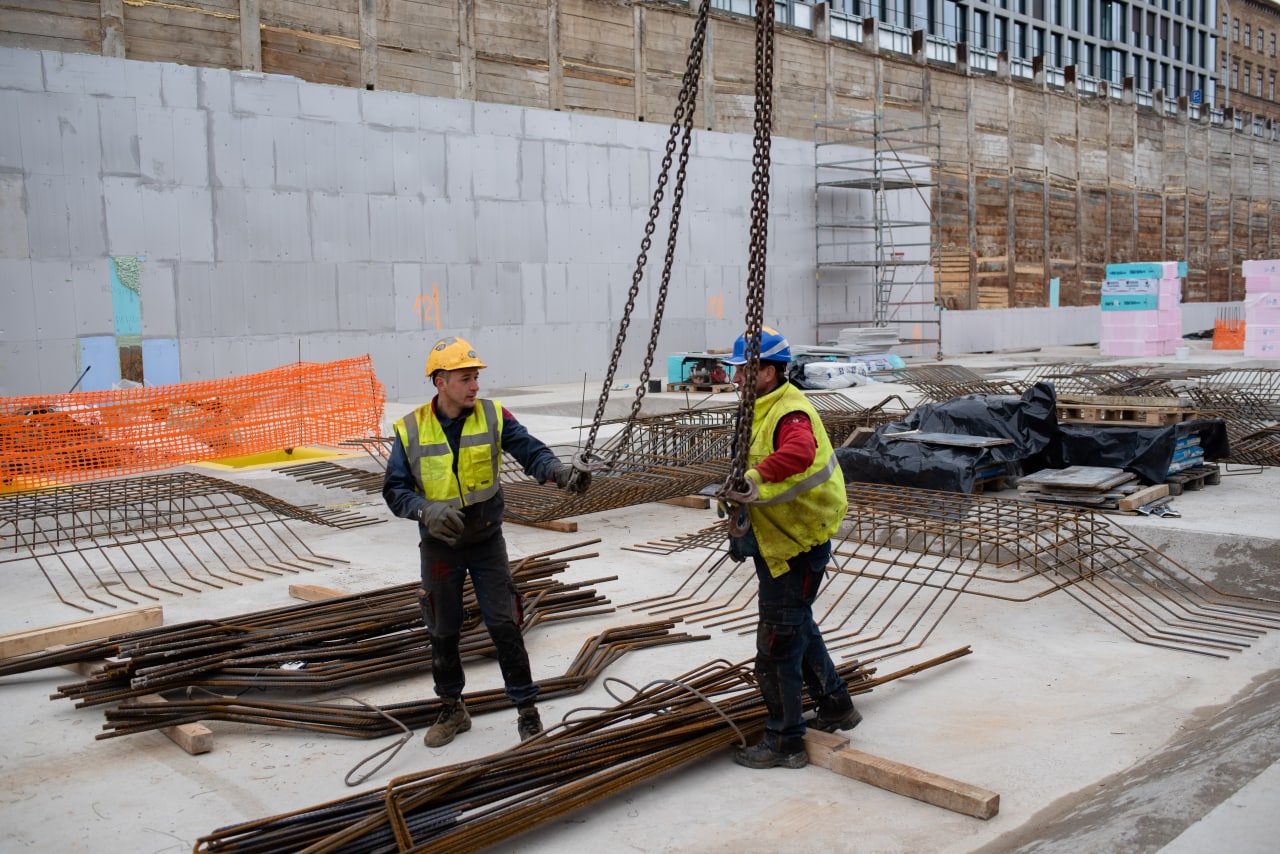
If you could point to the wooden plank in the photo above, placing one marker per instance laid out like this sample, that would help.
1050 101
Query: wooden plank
193 738
93 628
84 668
250 35
313 592
915 783
561 525
1144 497
113 43
369 44
858 437
821 746
697 502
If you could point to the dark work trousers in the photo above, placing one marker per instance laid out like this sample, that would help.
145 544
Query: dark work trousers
790 652
444 570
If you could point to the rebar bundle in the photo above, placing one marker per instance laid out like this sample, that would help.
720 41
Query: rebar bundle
904 556
473 805
132 538
660 457
1253 429
940 383
366 721
317 645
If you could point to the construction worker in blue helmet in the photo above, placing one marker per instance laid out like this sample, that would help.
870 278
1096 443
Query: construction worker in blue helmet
795 500
443 474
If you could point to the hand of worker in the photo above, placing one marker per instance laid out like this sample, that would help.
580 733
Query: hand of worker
442 521
751 493
571 479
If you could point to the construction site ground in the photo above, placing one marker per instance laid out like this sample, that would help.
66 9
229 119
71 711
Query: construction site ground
1093 742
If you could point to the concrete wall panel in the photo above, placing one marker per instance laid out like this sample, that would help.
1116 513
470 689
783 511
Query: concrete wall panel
47 231
418 164
255 93
495 165
408 296
397 110
17 290
336 104
449 231
90 297
275 214
366 297
340 227
378 160
22 69
55 314
230 294
179 86
118 134
447 115
11 131
159 303
13 217
397 228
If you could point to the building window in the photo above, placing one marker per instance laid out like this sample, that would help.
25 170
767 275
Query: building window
1248 39
980 29
1235 75
1273 44
1271 82
1151 30
1235 30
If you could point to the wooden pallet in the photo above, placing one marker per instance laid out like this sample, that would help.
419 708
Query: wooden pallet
1194 478
706 388
996 483
1154 416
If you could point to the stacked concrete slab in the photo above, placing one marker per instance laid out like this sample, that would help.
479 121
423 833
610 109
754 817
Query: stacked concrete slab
1262 309
1141 309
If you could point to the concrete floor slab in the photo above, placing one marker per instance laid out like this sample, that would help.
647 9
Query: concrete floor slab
1085 734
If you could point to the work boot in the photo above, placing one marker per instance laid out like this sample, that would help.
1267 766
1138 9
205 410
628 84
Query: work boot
765 755
453 719
529 723
835 712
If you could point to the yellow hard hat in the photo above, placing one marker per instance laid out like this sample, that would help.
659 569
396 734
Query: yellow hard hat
452 354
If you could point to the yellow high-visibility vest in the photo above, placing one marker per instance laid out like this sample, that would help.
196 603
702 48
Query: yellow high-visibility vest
806 509
431 458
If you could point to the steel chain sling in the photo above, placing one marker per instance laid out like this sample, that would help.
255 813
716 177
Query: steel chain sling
682 129
739 520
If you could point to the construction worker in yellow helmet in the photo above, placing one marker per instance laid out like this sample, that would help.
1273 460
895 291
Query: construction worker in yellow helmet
443 473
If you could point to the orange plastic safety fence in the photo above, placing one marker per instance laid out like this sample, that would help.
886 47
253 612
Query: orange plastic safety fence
85 436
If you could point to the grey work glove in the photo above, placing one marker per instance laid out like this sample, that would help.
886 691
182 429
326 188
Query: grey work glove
442 521
571 479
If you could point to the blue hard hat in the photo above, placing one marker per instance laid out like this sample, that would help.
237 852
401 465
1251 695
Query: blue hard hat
773 348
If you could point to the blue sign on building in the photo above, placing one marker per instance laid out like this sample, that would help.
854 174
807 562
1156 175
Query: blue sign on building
1197 96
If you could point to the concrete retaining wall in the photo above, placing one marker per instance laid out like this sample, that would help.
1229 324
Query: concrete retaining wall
258 219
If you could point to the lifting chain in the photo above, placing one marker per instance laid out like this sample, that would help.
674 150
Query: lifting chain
682 129
736 481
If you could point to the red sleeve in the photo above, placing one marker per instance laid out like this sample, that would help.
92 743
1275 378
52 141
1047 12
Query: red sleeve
794 449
